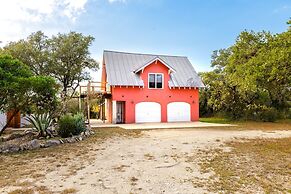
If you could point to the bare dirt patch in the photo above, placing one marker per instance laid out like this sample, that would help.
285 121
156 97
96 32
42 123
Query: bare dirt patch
20 171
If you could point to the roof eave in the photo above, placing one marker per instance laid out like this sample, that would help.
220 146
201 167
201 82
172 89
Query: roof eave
152 61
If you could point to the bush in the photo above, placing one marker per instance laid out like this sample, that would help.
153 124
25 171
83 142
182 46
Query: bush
71 125
262 113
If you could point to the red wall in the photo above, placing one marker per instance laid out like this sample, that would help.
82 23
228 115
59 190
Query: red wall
132 96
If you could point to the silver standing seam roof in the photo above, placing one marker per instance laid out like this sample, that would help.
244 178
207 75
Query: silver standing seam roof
120 68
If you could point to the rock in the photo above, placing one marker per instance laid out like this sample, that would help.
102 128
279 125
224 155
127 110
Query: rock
50 143
71 140
87 133
33 144
9 148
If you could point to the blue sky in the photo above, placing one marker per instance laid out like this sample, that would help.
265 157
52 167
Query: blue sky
177 27
191 28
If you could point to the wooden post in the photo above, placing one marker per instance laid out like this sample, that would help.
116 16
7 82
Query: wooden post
80 100
88 101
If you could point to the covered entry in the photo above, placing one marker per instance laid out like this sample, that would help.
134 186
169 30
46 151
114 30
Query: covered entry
178 111
120 112
146 112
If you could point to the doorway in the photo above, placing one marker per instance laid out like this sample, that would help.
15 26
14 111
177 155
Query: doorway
120 112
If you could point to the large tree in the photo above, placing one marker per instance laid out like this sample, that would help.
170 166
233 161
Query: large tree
65 57
252 77
33 51
69 60
20 90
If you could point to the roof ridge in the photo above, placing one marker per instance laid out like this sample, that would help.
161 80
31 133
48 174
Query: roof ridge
144 54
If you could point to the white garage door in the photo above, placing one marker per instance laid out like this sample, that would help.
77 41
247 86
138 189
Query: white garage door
147 112
178 111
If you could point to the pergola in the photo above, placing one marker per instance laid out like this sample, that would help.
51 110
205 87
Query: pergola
94 90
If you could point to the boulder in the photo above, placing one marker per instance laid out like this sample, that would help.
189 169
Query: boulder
50 143
33 144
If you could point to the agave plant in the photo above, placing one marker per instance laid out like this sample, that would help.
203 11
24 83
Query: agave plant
41 123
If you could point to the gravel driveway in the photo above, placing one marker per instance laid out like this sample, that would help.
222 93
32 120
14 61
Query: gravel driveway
153 163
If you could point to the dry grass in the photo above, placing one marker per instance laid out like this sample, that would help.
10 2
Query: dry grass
251 125
36 163
69 191
121 168
148 156
251 166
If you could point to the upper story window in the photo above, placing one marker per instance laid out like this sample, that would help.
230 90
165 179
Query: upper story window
156 80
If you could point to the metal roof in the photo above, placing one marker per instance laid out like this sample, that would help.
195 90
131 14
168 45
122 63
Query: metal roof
120 68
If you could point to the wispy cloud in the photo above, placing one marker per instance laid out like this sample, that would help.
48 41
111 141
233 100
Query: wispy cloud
18 18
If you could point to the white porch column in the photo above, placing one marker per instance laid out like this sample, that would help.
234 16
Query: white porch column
114 111
106 109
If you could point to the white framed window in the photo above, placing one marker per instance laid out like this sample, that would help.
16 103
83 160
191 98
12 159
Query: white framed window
156 81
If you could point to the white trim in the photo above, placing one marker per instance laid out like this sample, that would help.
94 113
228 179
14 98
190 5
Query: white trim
156 80
114 111
150 62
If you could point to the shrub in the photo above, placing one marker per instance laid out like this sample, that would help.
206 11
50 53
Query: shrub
71 125
262 113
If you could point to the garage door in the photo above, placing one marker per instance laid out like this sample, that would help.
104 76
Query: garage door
178 111
147 112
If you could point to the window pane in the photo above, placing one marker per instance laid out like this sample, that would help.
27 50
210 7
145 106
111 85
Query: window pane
151 80
159 80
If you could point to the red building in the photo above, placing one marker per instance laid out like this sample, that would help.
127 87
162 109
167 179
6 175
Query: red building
150 88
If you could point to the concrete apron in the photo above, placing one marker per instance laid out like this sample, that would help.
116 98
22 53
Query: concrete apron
176 125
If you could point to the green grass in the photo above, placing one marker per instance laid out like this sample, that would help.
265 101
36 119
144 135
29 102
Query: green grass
215 120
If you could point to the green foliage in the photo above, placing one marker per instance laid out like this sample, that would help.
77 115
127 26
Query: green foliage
41 123
261 113
20 90
34 52
251 79
65 57
71 125
73 106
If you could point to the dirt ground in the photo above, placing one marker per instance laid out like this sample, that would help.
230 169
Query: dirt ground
156 162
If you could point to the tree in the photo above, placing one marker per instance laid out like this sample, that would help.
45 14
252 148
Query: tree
69 59
34 52
252 77
20 90
65 57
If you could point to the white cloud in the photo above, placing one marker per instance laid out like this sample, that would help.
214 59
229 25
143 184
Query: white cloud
19 18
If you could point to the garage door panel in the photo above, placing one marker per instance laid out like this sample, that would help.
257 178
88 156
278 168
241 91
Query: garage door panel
147 112
178 111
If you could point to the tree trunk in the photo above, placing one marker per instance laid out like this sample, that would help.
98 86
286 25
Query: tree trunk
8 122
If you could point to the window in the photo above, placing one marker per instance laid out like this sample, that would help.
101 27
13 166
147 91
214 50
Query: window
156 80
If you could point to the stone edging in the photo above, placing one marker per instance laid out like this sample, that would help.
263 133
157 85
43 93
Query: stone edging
37 143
